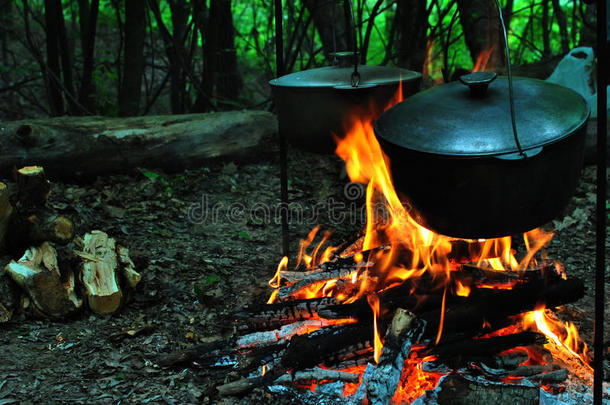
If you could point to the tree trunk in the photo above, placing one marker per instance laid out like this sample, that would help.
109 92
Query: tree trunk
481 29
133 57
53 74
330 18
66 60
546 41
228 82
88 24
6 26
177 78
221 79
412 22
563 26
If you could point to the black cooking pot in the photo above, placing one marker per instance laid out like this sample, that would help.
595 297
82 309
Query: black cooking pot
461 171
314 104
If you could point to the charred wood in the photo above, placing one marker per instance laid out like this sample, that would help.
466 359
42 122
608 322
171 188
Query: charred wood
318 374
458 352
494 308
272 316
404 331
457 390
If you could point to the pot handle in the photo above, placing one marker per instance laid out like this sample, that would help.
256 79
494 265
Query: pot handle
359 87
520 155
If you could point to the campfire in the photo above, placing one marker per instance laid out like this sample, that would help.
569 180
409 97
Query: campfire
402 310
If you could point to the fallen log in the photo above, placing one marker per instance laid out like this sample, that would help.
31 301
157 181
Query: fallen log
83 147
404 331
38 275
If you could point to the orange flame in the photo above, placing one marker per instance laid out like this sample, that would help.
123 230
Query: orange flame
373 300
564 335
275 281
462 290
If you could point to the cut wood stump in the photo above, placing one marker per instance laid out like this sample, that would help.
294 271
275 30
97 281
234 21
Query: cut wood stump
83 147
104 263
6 210
38 275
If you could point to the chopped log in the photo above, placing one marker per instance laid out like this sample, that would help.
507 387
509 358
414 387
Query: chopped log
83 147
457 390
38 275
44 226
33 222
317 374
404 331
103 263
128 268
6 210
33 188
9 297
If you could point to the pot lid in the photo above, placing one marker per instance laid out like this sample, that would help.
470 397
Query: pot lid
451 120
335 76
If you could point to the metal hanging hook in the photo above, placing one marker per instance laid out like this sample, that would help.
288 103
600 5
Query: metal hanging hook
510 81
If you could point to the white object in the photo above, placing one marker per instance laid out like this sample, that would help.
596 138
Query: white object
576 71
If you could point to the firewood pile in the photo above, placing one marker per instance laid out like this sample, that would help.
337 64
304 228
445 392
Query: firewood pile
58 273
395 343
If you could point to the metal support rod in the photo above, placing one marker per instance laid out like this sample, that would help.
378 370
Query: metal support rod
600 251
279 63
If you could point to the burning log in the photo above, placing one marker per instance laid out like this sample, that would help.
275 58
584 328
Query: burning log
309 350
404 331
495 307
457 390
455 353
38 275
344 267
103 265
272 316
